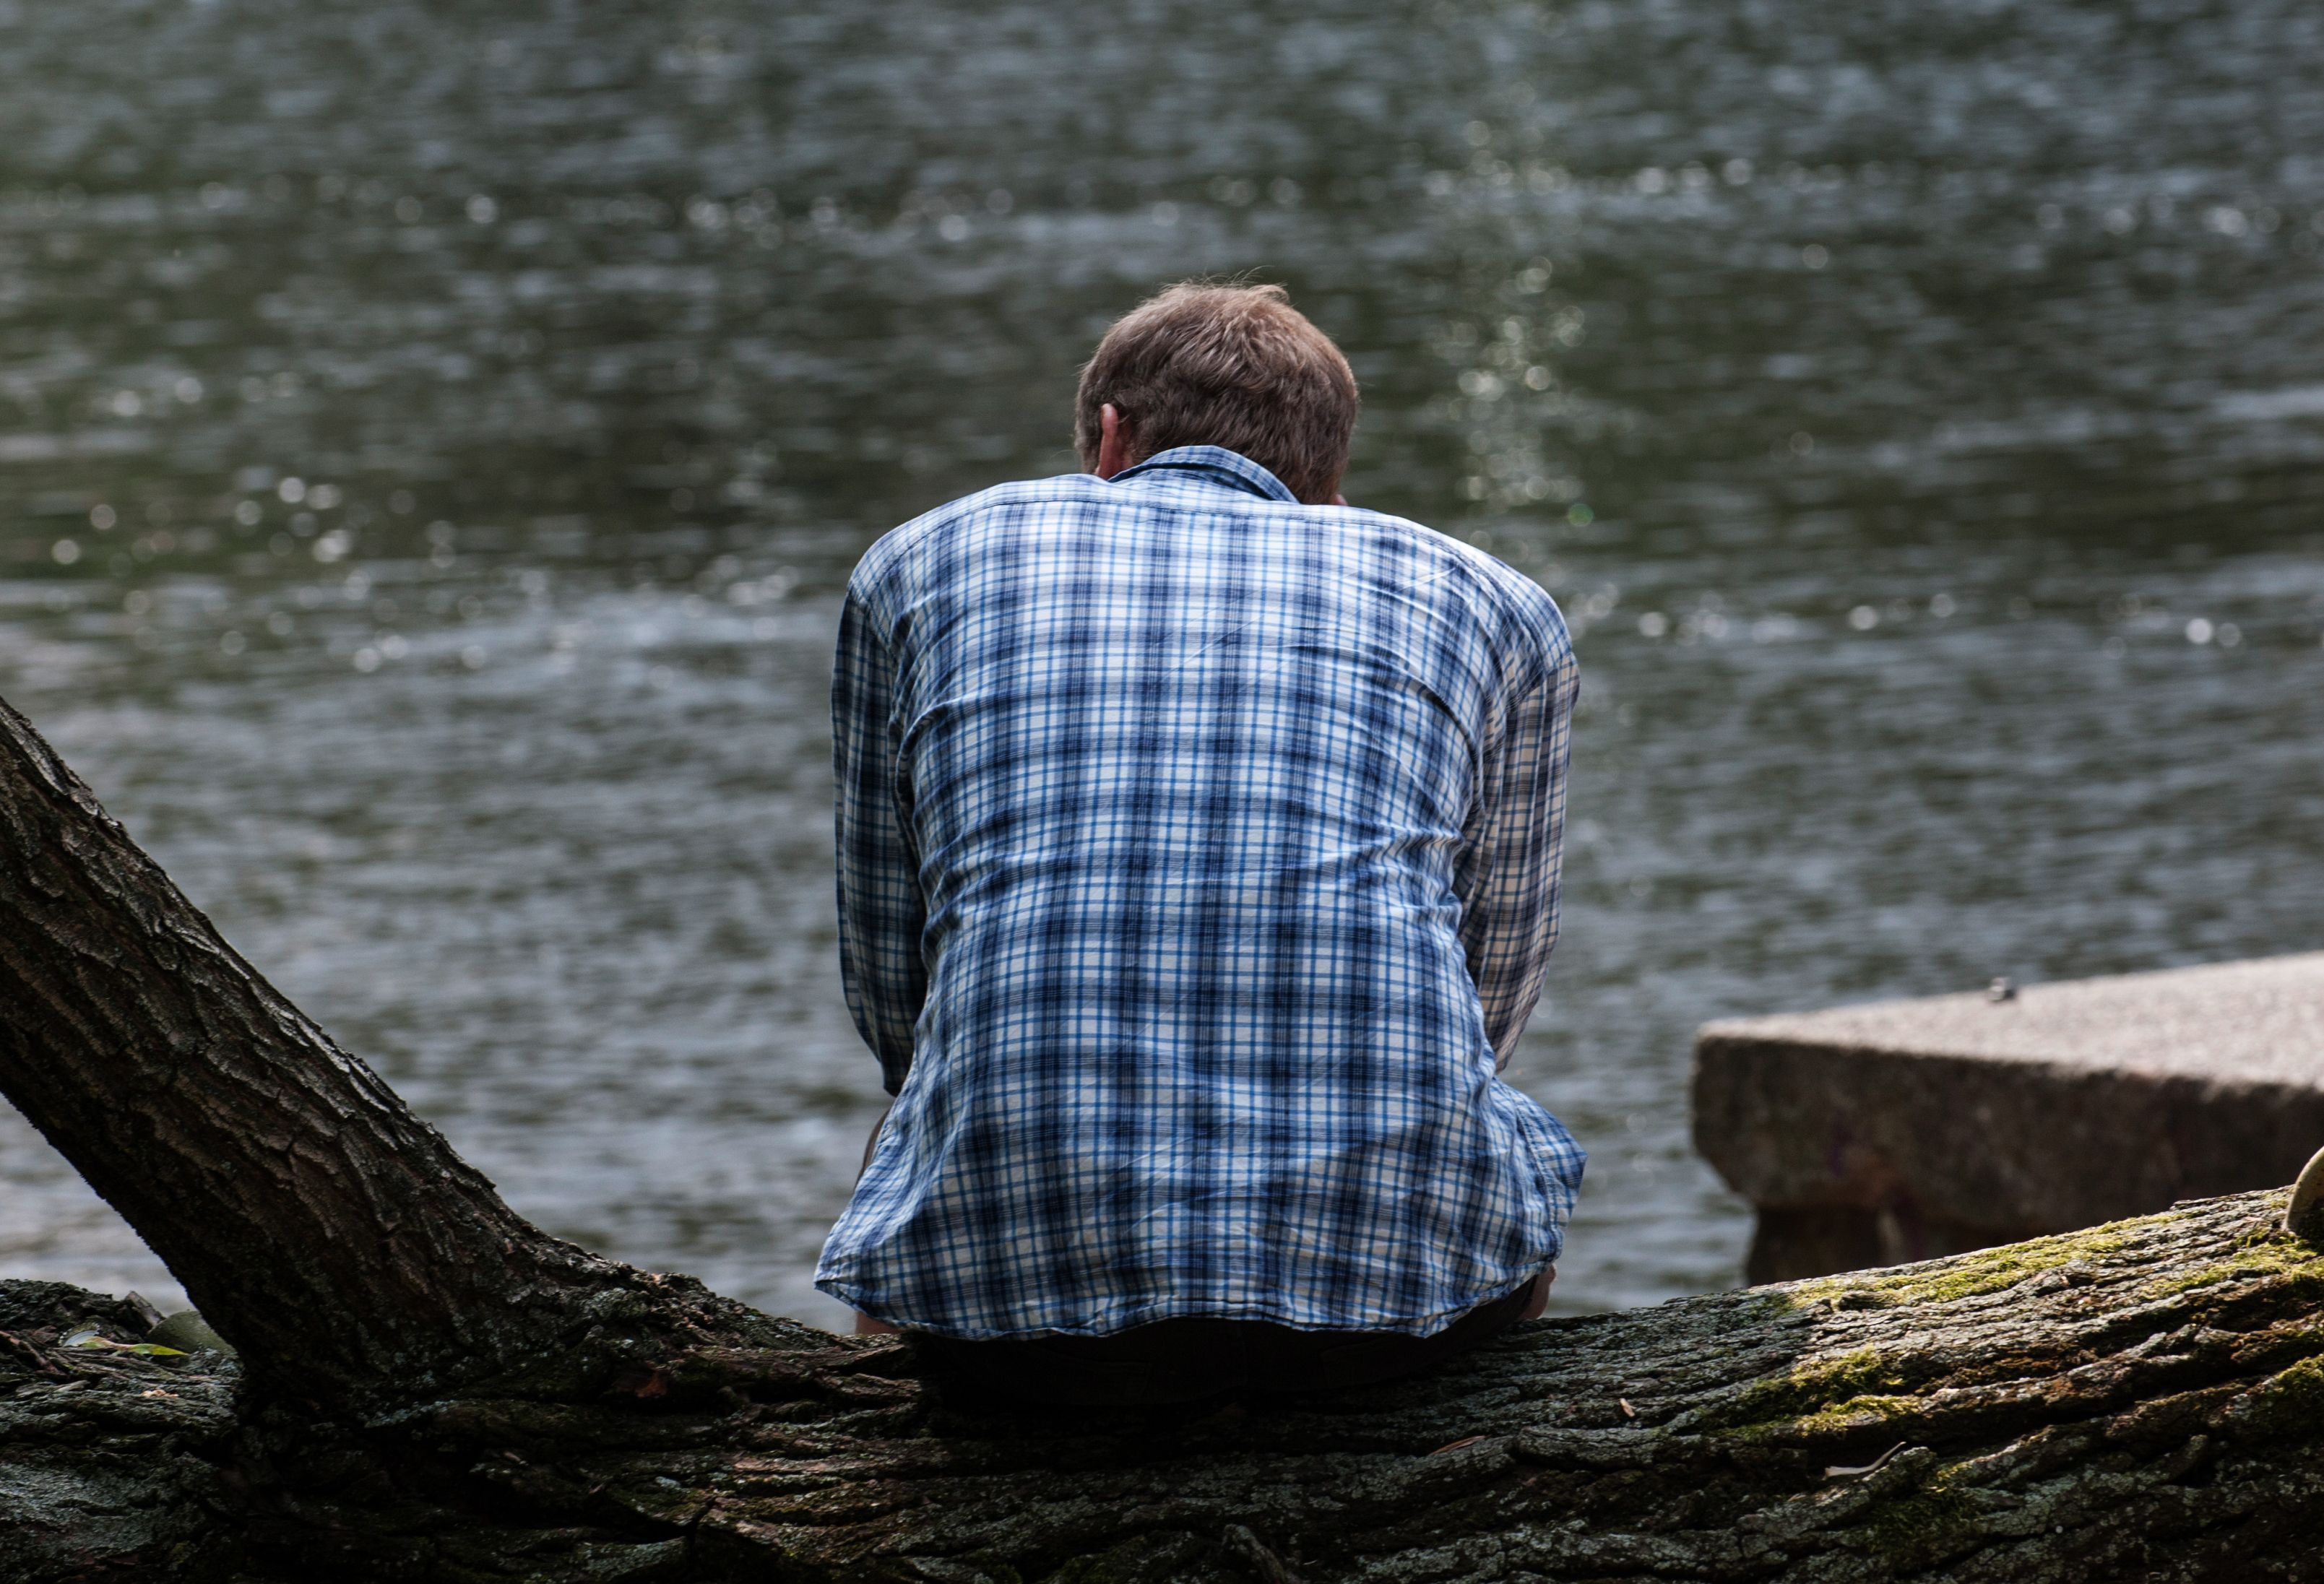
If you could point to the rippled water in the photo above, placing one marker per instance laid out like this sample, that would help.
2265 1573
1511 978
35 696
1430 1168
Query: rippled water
431 441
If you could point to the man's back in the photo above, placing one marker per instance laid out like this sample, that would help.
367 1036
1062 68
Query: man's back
1198 849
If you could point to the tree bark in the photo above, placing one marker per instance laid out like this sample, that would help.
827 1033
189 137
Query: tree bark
2143 1400
319 1226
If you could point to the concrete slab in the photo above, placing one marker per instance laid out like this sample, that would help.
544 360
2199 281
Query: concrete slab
1873 1135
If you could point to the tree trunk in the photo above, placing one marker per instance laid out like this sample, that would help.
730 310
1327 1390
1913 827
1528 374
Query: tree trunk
319 1225
449 1394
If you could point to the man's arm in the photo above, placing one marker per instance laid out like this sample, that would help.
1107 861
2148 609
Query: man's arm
880 910
1507 879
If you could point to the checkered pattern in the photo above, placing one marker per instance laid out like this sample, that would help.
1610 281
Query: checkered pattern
1198 856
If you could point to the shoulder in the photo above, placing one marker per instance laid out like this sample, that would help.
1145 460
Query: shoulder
1510 611
902 559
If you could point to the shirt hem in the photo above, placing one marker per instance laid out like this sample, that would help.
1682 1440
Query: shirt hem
1186 1308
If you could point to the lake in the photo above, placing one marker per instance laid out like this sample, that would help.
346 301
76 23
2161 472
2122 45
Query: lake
433 440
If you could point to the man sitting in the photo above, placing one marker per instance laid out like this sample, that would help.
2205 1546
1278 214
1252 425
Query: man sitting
1198 849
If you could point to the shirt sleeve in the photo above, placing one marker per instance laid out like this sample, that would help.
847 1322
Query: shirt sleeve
1508 879
882 912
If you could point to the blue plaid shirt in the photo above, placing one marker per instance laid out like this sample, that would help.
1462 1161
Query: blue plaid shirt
1198 859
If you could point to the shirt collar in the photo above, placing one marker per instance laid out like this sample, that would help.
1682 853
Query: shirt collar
1215 465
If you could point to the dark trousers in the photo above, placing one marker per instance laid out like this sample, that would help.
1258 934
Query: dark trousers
1187 1361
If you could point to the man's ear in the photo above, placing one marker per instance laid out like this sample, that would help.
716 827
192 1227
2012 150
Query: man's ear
1112 442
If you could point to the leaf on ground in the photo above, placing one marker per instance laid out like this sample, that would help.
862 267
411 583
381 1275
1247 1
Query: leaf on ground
91 1338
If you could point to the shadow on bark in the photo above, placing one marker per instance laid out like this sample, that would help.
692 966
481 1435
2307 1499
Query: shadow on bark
431 1388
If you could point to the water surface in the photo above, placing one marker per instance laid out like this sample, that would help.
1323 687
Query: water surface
432 441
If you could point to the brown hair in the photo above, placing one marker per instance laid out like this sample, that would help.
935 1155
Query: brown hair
1206 364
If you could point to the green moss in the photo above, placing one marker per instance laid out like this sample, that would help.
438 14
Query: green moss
2289 1402
1855 1392
1856 1414
1966 1275
1814 1389
2263 1251
1752 1310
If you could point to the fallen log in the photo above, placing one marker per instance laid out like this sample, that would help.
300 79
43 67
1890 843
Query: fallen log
2143 1400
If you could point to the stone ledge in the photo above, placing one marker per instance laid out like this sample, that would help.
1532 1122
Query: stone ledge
1880 1134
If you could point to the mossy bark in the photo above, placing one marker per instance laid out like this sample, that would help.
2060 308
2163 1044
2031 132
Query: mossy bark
2145 1400
2142 1402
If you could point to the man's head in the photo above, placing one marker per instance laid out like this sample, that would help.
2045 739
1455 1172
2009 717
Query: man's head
1236 366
